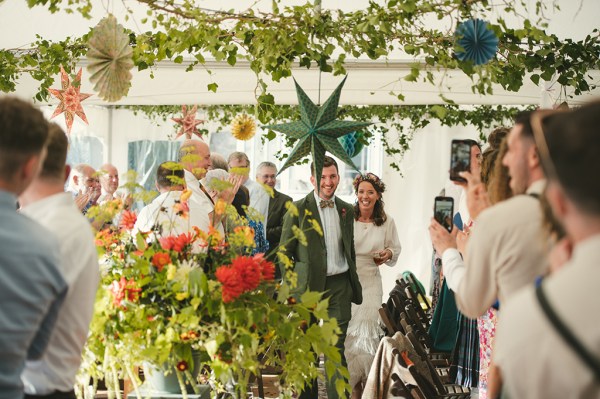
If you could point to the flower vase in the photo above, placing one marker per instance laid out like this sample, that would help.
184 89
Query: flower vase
157 384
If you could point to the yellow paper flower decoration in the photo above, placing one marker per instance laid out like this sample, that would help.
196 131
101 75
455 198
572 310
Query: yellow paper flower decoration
243 127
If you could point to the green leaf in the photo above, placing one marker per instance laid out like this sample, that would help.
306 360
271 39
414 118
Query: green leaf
212 87
439 111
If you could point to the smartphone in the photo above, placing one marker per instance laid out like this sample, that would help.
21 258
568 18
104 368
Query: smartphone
460 159
443 211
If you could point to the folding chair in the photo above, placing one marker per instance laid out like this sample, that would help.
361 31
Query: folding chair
443 389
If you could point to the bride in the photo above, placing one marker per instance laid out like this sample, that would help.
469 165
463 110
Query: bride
376 242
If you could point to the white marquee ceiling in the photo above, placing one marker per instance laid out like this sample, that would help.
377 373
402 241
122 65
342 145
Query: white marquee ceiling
369 82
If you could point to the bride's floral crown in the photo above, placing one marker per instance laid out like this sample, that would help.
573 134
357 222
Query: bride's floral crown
371 178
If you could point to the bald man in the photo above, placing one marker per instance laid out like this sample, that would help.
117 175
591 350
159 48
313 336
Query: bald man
194 155
109 182
85 186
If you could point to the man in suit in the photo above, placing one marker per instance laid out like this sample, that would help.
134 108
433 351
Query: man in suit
327 263
267 175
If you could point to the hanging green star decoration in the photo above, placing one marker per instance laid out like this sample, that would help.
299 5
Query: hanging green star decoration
318 131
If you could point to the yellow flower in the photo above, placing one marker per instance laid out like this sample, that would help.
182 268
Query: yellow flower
243 127
245 234
220 207
171 270
185 194
180 296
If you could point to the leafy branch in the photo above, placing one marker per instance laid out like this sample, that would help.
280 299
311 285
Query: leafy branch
275 41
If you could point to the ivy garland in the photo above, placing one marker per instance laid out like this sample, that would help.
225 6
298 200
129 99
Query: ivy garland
395 125
307 35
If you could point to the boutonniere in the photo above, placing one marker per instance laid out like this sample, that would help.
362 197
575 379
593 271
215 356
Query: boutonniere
343 213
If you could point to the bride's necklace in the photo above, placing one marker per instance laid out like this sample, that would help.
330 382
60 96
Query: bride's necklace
365 222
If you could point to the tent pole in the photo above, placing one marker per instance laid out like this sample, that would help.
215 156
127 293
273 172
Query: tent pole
109 140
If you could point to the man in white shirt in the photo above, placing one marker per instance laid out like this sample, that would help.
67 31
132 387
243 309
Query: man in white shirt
46 202
534 358
194 155
109 182
505 251
169 214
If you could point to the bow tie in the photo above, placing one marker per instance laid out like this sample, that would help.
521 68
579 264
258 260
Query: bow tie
326 203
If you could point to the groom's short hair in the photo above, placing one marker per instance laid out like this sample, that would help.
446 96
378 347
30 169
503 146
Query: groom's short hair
327 162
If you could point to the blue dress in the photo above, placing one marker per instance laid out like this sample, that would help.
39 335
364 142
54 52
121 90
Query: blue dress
260 239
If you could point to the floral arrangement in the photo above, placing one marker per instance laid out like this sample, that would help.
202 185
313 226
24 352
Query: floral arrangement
167 300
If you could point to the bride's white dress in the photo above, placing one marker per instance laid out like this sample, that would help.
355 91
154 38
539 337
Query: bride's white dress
364 333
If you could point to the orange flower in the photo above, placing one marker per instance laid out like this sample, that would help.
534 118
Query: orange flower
128 219
181 241
124 290
160 260
182 209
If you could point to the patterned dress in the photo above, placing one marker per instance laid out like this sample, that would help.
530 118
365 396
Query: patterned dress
487 331
364 333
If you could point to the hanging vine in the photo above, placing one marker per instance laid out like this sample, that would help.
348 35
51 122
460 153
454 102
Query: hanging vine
395 125
274 41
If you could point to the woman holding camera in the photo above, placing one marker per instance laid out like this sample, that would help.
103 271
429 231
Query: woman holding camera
376 243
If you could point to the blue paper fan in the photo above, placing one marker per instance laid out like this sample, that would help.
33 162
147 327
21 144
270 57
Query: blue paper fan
479 44
351 143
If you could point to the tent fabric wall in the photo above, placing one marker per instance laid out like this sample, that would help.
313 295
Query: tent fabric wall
144 156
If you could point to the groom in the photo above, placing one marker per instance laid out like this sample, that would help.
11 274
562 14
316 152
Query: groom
327 263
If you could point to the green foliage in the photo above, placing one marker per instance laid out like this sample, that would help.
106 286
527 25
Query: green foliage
275 41
395 125
162 296
42 61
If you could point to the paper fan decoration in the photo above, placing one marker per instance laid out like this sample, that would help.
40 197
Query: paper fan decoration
243 127
189 123
110 58
352 144
478 43
70 98
317 131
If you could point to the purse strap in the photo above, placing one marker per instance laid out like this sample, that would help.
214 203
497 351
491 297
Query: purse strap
588 358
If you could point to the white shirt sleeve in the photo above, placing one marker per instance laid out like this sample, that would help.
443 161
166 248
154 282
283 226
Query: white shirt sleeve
454 268
392 242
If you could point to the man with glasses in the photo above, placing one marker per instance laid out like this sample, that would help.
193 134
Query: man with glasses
259 198
85 186
267 174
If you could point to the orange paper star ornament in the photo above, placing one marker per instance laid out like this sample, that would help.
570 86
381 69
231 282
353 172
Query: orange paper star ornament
70 98
189 123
